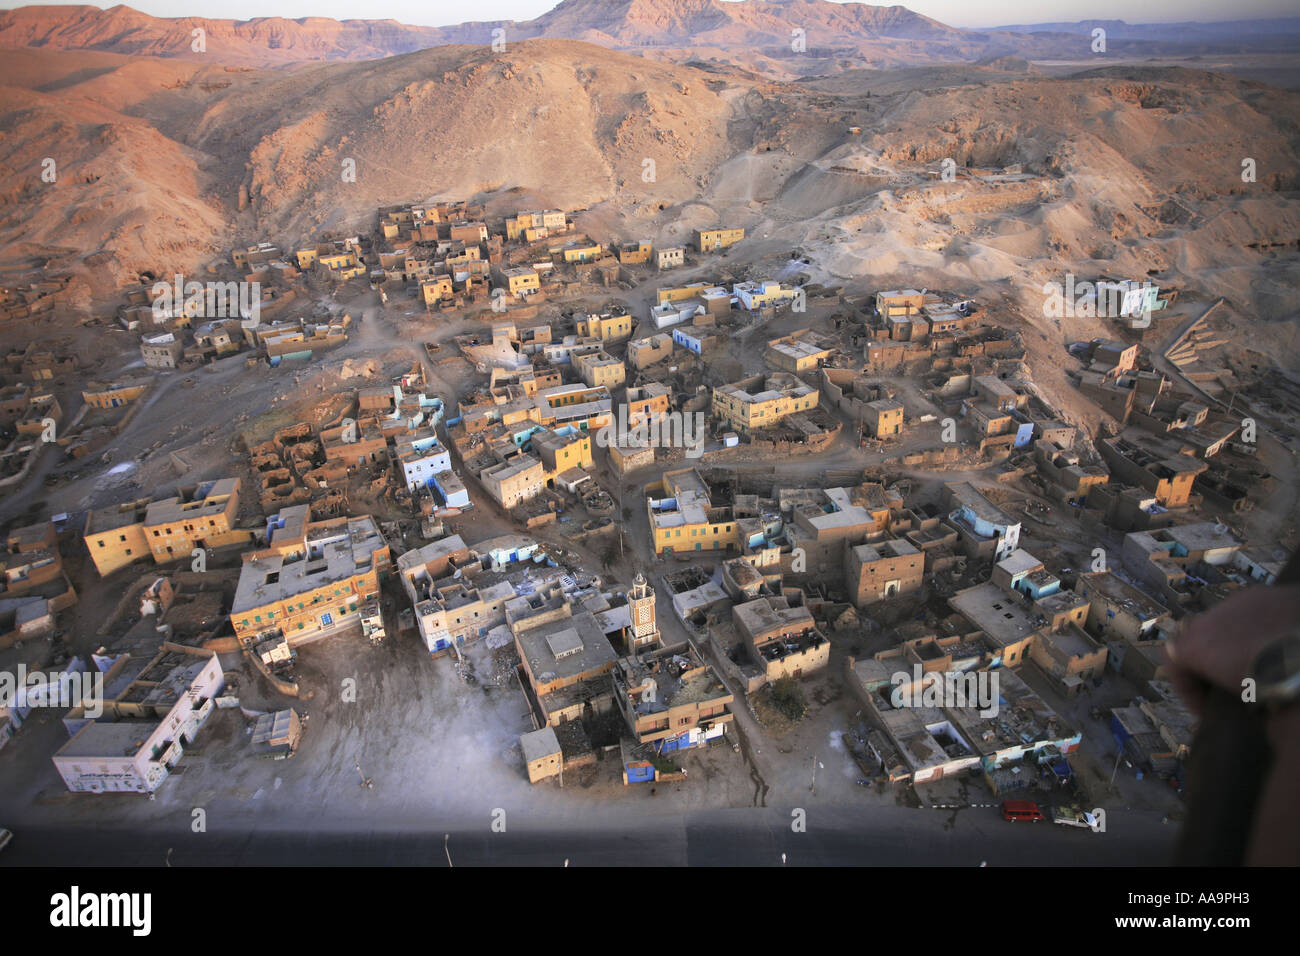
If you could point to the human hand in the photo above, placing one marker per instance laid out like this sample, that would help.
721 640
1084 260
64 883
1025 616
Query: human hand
1216 648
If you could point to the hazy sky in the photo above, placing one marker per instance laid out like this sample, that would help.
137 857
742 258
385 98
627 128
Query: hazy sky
958 13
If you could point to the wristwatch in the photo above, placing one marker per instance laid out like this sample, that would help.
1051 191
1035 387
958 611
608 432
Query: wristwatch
1276 671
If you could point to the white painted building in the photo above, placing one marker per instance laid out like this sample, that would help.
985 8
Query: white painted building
672 313
119 753
453 491
419 457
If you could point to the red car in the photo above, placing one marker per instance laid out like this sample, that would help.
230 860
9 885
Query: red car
1014 810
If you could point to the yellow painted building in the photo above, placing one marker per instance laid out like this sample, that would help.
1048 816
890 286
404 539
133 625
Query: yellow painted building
112 394
635 253
607 328
883 418
899 302
516 225
560 451
770 401
578 405
600 369
711 240
682 518
583 252
166 530
315 577
173 527
691 291
647 402
343 265
539 223
522 281
115 536
439 287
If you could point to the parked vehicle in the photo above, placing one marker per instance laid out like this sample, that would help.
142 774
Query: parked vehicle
1074 817
1016 810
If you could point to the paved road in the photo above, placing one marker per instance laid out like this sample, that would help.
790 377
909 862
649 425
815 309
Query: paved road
744 837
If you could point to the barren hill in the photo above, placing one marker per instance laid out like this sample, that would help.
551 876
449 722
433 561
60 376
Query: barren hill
784 37
264 41
165 164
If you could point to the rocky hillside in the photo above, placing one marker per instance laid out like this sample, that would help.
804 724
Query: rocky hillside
165 164
808 36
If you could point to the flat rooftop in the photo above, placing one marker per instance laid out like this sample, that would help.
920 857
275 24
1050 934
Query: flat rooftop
539 744
966 495
574 647
1019 561
515 466
1072 642
109 738
1003 617
433 551
334 554
761 615
892 548
208 500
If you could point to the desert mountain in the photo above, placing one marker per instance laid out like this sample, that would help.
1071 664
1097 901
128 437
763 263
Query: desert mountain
757 34
265 40
164 164
671 23
662 25
1274 33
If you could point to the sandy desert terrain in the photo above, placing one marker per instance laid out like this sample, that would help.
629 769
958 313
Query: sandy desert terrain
1130 170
